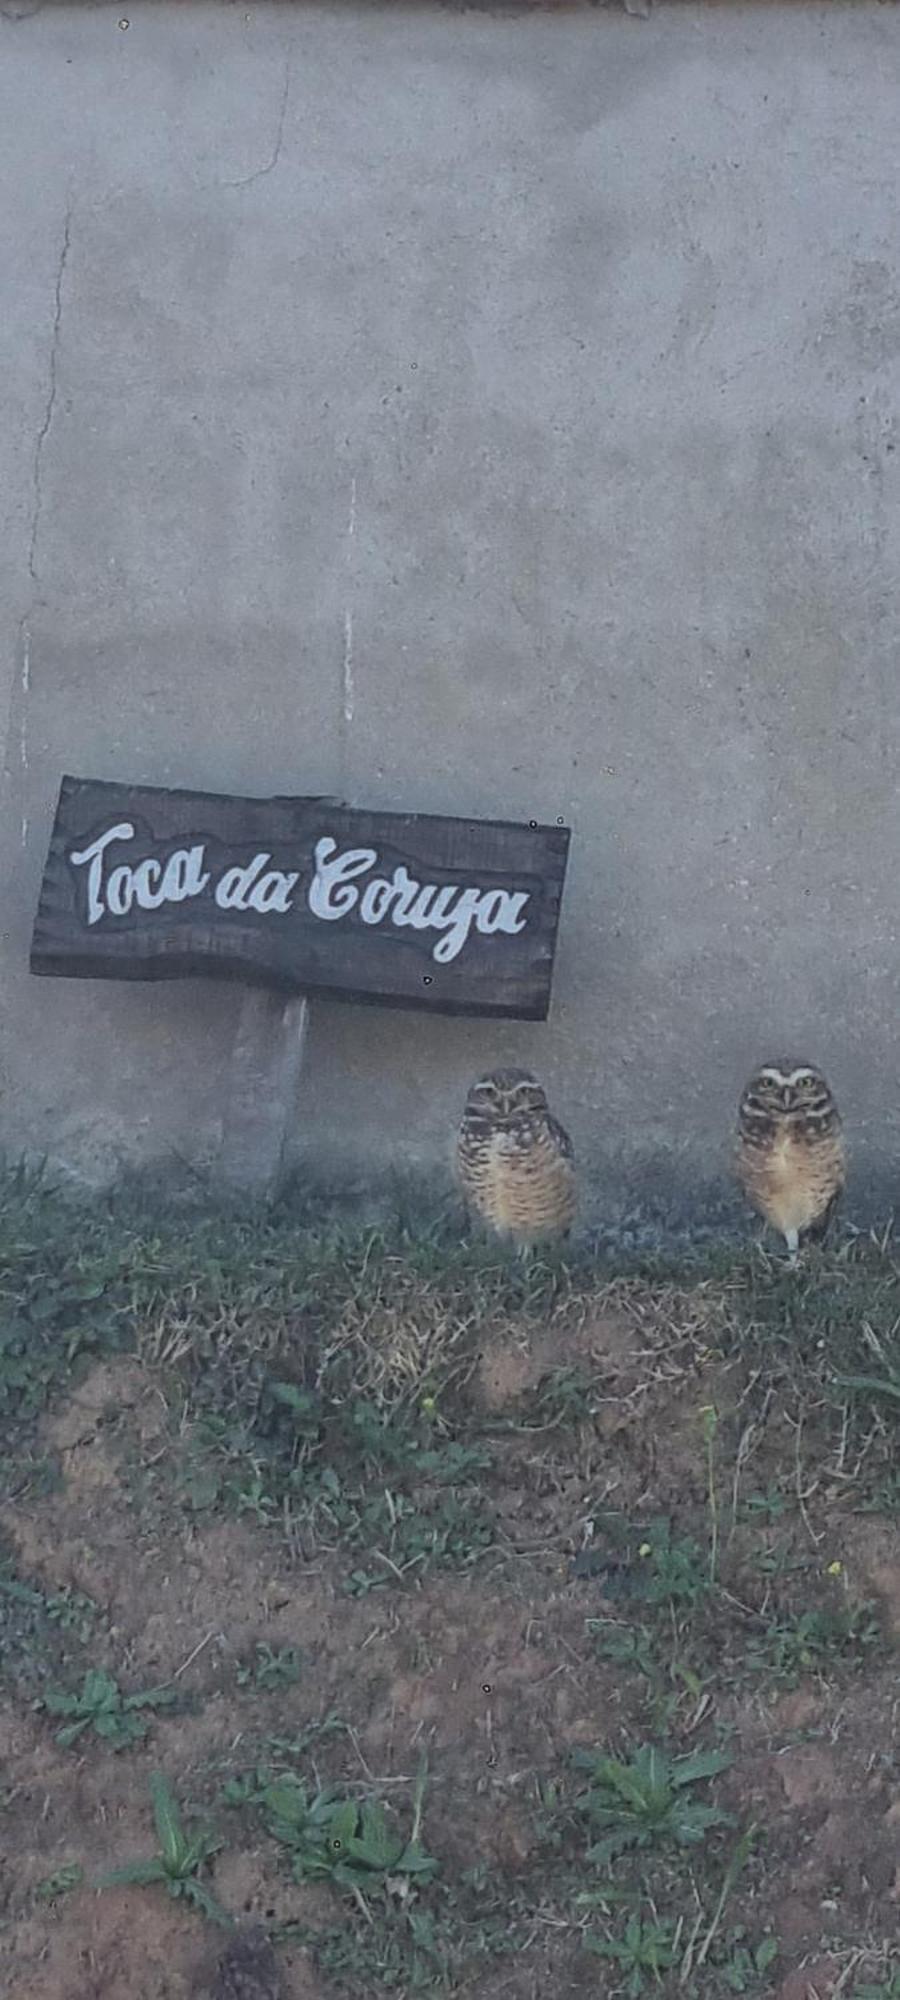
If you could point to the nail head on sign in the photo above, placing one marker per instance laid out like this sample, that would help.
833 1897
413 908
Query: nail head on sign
485 1687
427 979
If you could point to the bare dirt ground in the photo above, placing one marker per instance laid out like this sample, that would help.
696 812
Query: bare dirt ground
587 1584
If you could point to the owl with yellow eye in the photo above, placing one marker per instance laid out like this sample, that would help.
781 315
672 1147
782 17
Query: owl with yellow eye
791 1161
515 1162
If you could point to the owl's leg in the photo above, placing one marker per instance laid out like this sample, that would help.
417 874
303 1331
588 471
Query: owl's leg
818 1231
792 1239
525 1252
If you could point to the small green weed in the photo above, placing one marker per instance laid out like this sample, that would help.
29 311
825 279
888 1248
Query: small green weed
644 1563
60 1295
119 1719
814 1643
670 1674
178 1863
646 1945
411 1948
352 1843
39 1630
61 1882
314 1732
268 1669
767 1506
741 1966
248 1787
674 1572
627 1646
69 1609
566 1396
647 1801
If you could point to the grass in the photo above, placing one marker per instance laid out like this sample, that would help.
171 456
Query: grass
41 1631
300 1351
413 1949
814 1642
694 1511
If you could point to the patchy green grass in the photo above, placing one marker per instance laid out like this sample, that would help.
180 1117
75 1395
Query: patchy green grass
611 1540
40 1630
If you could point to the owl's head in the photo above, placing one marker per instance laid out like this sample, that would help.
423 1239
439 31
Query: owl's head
506 1093
779 1089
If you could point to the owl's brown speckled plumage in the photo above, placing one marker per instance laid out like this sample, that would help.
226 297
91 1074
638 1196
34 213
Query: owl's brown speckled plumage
790 1155
515 1162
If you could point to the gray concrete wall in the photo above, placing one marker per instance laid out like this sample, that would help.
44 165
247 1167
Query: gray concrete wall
551 360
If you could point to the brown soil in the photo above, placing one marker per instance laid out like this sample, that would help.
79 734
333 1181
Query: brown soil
490 1669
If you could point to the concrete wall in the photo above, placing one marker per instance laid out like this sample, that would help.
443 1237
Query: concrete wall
551 360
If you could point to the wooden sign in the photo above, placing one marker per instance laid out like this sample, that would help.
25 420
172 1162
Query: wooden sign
454 915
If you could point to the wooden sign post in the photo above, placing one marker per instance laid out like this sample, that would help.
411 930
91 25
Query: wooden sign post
301 896
266 1061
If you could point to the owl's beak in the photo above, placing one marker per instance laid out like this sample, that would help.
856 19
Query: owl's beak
786 1100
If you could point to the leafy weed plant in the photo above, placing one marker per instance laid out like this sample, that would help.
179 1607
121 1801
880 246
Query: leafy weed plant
63 1880
649 1801
353 1843
179 1860
118 1719
814 1642
645 1946
269 1670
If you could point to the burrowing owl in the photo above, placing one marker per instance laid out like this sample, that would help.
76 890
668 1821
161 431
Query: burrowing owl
516 1164
790 1156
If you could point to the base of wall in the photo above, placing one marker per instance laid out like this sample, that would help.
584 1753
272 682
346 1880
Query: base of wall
644 1211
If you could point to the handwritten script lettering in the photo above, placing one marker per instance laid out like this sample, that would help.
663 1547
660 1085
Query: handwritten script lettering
335 889
149 885
448 914
452 909
251 889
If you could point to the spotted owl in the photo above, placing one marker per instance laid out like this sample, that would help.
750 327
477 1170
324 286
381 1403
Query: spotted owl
516 1165
790 1154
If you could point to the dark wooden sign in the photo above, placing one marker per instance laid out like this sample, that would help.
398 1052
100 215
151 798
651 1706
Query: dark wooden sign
457 916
